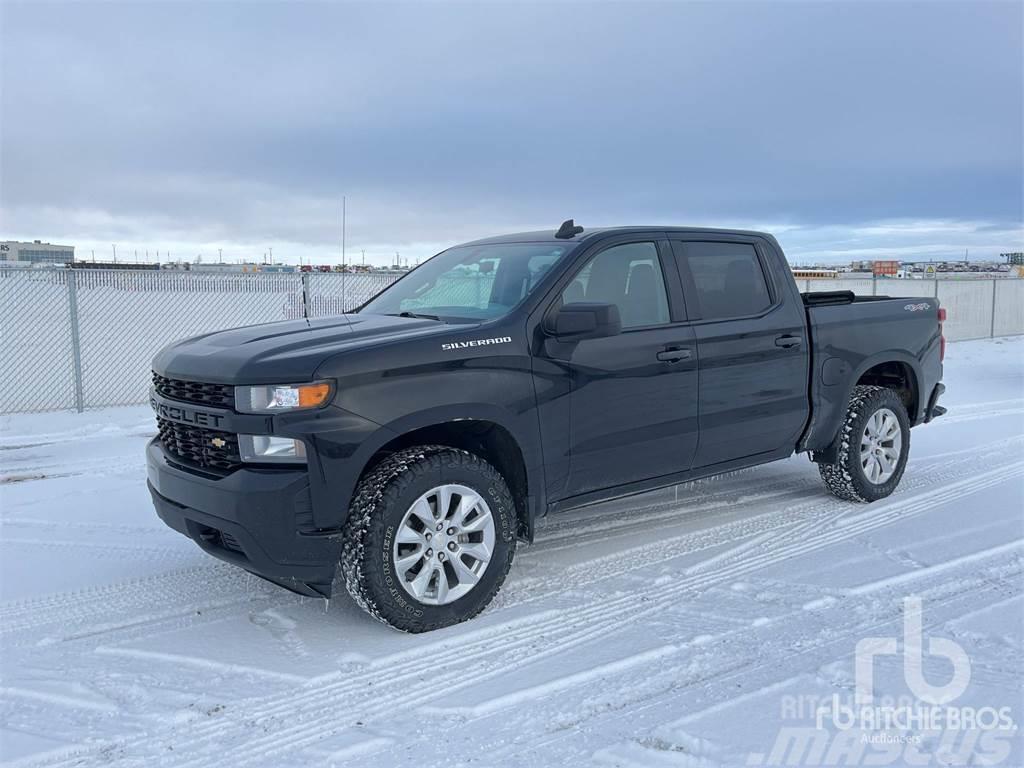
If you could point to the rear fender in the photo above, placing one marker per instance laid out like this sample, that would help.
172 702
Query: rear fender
829 401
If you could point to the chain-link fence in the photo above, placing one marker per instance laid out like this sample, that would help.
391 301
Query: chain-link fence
85 338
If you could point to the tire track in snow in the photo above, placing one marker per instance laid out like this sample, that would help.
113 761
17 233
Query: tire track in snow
734 671
982 456
576 526
306 714
124 604
781 674
103 550
802 519
611 616
183 592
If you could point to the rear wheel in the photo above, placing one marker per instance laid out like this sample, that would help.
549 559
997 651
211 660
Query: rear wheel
430 538
874 442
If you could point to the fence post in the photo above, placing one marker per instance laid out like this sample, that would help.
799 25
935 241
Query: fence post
874 285
936 279
992 327
76 344
305 295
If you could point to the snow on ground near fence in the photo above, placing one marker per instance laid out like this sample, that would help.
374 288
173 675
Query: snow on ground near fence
671 629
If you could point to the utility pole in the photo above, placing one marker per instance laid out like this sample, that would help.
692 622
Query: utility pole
364 257
114 246
271 256
220 255
343 222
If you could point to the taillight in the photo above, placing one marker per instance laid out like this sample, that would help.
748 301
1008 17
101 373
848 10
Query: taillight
942 339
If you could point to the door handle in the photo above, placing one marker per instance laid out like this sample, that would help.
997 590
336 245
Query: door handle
674 354
788 341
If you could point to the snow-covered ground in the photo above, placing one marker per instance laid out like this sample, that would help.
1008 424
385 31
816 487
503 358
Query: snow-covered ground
695 627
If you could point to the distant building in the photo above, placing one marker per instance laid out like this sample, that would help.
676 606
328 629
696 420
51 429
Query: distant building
37 252
1015 258
885 268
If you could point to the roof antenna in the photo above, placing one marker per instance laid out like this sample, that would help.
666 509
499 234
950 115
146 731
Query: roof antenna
568 230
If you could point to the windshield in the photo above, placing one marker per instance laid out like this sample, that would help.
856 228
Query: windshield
469 282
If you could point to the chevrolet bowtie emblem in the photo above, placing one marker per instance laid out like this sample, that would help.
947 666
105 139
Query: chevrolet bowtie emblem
218 442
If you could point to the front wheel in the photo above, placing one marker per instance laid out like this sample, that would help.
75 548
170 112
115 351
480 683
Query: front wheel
430 538
874 442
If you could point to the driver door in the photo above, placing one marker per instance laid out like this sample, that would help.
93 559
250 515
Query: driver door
633 397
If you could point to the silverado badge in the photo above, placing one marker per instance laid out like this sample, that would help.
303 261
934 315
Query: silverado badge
218 442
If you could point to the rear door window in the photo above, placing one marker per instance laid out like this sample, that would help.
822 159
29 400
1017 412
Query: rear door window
728 279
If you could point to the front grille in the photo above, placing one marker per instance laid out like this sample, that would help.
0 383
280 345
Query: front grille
206 448
217 395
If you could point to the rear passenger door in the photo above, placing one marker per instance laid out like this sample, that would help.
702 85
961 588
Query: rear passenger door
751 344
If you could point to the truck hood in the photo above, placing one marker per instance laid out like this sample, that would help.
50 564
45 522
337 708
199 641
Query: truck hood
285 352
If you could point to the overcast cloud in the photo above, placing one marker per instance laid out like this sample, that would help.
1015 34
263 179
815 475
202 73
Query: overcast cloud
851 130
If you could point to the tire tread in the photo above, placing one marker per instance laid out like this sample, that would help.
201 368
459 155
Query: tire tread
838 476
379 489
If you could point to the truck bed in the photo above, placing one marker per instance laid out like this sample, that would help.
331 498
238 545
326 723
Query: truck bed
851 334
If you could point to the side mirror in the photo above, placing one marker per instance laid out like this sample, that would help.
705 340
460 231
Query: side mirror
586 320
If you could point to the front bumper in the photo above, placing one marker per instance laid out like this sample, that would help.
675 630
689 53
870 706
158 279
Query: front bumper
251 517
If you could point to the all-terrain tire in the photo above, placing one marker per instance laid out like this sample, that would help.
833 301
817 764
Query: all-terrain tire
378 507
846 478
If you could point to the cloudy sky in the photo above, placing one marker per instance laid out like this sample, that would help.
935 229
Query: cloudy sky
850 130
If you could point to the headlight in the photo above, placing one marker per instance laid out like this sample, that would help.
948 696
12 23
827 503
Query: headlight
275 398
270 448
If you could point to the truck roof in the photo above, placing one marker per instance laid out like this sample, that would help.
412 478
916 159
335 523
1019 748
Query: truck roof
548 235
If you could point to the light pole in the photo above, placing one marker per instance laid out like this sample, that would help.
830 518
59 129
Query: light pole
112 245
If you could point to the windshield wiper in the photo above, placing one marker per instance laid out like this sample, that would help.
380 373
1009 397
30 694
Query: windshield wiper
419 315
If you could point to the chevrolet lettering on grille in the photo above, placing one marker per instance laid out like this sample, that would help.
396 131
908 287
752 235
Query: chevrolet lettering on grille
186 415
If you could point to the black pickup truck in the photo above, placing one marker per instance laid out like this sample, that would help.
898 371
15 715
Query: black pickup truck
404 448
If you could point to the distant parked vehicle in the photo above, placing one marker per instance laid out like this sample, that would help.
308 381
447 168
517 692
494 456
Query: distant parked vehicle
400 451
815 274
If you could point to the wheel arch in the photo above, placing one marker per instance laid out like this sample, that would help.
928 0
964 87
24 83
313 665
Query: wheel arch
900 375
484 435
893 369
